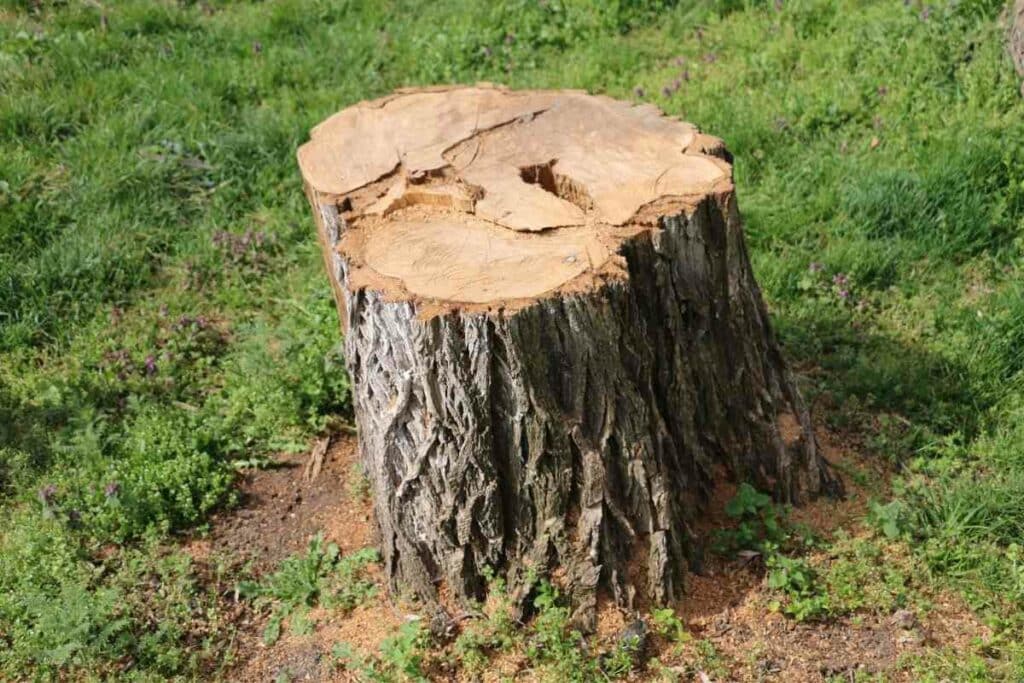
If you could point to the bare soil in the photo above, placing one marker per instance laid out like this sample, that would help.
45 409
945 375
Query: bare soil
727 605
280 512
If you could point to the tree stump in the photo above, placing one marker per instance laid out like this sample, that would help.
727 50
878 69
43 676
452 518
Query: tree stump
555 340
1015 38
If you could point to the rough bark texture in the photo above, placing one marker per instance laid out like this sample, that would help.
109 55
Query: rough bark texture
1015 38
577 432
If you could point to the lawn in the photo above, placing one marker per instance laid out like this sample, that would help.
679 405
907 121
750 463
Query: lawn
165 322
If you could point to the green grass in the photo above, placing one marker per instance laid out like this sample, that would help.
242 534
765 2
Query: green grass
163 314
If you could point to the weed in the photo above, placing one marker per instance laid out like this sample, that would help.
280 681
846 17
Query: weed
622 659
118 218
357 483
303 581
758 521
401 657
889 518
669 626
554 646
709 660
496 631
798 583
868 574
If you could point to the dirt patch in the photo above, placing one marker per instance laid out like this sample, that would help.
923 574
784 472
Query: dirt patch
280 511
726 607
753 643
311 657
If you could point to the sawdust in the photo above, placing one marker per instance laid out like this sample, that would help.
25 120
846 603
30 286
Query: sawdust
281 510
726 605
729 606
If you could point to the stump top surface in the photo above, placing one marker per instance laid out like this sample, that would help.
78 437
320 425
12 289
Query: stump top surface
482 195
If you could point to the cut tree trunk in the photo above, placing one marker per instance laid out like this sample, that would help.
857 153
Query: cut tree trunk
1015 38
554 336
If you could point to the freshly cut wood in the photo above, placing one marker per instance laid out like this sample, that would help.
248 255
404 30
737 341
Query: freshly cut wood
554 336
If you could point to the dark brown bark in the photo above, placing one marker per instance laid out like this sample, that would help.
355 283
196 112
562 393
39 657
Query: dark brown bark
583 432
579 433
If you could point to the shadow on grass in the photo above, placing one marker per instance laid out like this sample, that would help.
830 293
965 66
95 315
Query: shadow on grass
867 373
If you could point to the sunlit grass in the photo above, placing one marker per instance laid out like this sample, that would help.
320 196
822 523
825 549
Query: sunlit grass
879 152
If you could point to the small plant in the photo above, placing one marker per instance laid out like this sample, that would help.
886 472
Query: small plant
887 518
709 660
402 653
250 251
797 581
758 521
662 672
351 587
554 645
622 659
497 631
818 283
400 658
302 582
868 573
358 484
669 626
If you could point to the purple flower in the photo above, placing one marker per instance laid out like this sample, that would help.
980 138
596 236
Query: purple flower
839 280
666 91
844 294
816 267
111 489
150 365
257 47
638 91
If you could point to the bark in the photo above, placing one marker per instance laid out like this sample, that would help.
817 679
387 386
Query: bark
577 434
1015 38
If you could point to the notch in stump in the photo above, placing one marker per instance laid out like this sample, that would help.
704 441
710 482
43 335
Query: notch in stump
554 336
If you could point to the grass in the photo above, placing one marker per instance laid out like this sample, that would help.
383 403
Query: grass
163 316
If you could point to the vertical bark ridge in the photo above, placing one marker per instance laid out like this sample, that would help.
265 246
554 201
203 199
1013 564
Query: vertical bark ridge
580 434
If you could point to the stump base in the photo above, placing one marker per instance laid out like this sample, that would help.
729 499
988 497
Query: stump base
550 382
